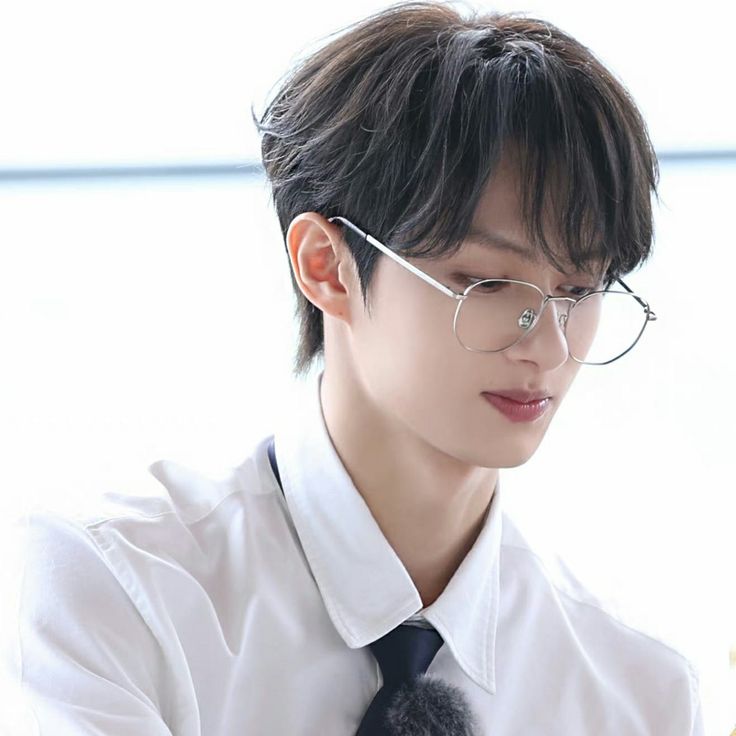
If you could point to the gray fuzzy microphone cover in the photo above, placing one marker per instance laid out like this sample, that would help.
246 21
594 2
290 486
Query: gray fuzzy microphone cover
429 706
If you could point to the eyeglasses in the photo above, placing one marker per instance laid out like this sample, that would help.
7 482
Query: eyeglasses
493 315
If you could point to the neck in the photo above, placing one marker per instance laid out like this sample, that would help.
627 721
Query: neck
430 506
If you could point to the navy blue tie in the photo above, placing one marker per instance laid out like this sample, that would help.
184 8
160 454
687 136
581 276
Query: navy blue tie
403 654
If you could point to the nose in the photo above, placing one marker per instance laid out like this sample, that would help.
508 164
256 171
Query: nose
545 343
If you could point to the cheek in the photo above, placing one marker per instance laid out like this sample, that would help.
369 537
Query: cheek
412 321
410 358
568 373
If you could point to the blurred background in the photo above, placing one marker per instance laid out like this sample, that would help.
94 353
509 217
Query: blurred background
146 309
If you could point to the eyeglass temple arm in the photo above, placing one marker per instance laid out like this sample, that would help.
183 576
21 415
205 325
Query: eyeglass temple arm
401 261
650 314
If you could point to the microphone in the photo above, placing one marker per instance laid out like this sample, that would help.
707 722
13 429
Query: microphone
429 706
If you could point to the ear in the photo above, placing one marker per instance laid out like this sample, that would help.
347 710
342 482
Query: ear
322 264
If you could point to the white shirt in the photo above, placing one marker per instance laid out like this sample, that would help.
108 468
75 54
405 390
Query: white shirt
229 608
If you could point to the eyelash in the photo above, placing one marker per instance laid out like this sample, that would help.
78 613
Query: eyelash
467 280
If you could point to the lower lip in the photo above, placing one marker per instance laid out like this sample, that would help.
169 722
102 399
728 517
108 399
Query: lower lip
515 410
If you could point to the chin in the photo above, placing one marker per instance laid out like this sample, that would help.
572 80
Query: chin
513 463
507 462
513 457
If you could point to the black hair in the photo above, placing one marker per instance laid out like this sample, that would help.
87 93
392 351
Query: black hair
398 122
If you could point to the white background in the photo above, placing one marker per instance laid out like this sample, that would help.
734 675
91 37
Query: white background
143 318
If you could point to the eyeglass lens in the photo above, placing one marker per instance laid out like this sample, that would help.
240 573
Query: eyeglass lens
599 327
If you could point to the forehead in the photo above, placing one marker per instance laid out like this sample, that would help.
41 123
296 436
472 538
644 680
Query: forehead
498 219
495 242
498 226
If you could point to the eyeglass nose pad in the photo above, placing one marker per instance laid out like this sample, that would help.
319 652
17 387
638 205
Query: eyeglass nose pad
527 318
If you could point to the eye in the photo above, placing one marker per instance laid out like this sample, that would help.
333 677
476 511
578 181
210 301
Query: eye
581 291
465 280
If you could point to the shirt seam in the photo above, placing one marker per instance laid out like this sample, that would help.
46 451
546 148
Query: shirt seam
168 512
97 522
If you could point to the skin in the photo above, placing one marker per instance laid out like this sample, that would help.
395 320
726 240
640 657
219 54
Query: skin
402 398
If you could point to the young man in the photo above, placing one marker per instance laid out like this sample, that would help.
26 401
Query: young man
460 199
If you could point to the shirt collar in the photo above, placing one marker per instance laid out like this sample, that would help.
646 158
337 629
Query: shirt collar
366 588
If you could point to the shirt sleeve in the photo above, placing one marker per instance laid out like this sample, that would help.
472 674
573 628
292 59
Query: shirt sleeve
87 664
698 728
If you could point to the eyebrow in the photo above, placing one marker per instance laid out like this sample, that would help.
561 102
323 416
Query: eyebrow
495 241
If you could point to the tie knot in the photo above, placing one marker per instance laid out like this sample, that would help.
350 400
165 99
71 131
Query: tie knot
405 652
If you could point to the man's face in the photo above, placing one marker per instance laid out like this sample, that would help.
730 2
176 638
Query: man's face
416 371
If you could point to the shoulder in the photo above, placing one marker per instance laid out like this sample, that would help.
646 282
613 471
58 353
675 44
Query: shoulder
604 630
121 538
180 499
73 617
92 595
65 573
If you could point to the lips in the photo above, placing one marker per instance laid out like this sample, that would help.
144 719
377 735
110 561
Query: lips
520 395
517 411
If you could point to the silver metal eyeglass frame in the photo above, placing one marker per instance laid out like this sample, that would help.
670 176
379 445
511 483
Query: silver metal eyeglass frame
460 298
